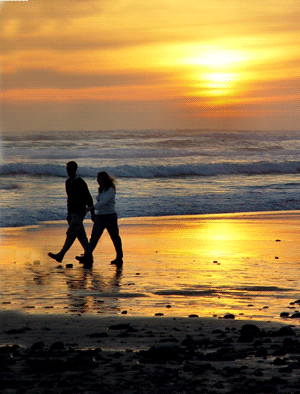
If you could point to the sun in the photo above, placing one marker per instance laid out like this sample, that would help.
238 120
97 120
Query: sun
216 83
216 58
215 72
211 70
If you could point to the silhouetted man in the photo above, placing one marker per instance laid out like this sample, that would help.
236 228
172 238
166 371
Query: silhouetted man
79 198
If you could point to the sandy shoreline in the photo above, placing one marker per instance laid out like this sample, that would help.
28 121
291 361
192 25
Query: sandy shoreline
43 350
209 265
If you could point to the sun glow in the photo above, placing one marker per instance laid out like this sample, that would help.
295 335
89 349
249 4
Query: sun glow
211 70
217 84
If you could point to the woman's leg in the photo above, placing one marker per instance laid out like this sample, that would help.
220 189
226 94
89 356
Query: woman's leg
97 231
111 224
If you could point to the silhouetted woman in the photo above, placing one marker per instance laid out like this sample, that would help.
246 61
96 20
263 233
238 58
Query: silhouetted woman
105 218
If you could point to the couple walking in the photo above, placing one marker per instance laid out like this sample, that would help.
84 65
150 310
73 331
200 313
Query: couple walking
103 215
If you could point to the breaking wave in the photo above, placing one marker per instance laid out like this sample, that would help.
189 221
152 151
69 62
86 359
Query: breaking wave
159 171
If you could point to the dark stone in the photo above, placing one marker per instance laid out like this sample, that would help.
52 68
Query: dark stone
229 316
261 352
246 338
286 332
18 331
279 352
284 314
57 346
285 370
280 361
267 389
250 329
121 326
37 346
8 348
295 315
163 353
289 342
98 335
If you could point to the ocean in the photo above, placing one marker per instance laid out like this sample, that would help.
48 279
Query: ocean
158 172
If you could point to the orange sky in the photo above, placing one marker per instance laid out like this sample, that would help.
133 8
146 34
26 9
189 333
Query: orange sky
139 64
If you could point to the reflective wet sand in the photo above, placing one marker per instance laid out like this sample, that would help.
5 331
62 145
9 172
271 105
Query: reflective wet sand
210 265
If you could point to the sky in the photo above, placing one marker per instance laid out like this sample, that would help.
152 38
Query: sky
141 64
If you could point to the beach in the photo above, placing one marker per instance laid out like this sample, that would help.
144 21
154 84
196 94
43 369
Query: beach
204 303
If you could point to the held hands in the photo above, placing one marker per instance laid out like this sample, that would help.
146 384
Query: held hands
92 210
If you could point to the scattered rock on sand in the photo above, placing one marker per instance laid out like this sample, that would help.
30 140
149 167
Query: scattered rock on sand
284 314
295 315
229 316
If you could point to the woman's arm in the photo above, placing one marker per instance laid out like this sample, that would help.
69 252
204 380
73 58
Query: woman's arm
104 197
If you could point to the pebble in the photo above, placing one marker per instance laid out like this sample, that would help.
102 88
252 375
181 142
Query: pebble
284 314
295 315
229 316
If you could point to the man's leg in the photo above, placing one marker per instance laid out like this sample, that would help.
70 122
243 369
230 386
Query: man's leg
75 228
82 238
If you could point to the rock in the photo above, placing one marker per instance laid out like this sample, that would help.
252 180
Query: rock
284 314
122 326
229 316
295 315
69 265
159 314
193 315
163 353
280 361
266 389
37 346
279 352
57 346
250 329
245 338
18 331
286 332
8 348
124 313
98 335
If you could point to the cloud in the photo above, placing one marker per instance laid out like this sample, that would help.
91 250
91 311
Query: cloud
48 78
36 11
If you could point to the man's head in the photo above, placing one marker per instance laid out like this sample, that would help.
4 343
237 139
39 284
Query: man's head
71 169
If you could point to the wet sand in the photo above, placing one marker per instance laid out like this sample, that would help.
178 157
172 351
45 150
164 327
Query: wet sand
156 343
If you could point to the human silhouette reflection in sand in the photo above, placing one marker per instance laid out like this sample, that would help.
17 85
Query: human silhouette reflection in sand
88 289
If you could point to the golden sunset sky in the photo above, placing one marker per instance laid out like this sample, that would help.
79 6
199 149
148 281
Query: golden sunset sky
141 64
